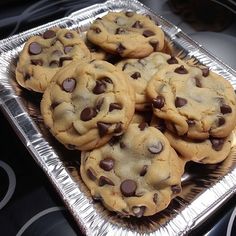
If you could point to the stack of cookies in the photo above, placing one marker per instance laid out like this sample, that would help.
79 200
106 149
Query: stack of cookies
136 113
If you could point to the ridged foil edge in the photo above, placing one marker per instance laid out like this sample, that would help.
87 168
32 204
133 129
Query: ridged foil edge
79 205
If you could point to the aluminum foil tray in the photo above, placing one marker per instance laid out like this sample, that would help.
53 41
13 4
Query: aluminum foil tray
205 187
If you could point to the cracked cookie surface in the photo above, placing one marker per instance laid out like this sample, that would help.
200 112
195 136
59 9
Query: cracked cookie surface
140 71
87 103
134 176
193 102
126 33
42 56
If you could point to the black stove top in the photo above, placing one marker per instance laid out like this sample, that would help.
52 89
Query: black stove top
29 204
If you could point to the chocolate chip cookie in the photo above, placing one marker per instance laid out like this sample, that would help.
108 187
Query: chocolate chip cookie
209 151
44 55
87 103
140 71
128 34
193 102
134 176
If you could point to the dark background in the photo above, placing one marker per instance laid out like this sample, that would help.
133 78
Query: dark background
34 208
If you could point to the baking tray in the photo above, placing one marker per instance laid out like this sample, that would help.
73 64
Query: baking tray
205 187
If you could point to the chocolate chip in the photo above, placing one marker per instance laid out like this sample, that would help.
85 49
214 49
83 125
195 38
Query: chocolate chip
224 109
88 113
158 102
205 72
180 102
62 59
68 49
154 44
139 211
103 128
97 30
54 63
156 148
129 13
37 62
69 35
27 76
148 33
190 122
143 126
120 49
143 170
115 106
155 198
217 143
221 121
100 87
49 34
68 85
114 140
135 75
91 173
176 189
118 129
172 60
137 24
120 31
198 82
122 145
107 164
104 180
181 70
128 187
99 104
106 79
35 48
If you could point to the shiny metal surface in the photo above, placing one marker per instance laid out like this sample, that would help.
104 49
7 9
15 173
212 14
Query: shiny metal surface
205 187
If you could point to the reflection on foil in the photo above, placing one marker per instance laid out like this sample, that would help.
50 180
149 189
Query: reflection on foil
214 183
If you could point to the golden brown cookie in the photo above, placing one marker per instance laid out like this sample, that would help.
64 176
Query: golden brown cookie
134 176
126 33
193 102
87 103
44 55
209 151
140 72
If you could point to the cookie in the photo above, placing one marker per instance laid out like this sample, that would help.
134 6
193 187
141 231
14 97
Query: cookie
193 102
209 151
140 71
134 176
87 103
128 34
44 55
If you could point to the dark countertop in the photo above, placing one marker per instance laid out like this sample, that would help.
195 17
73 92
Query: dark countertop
28 203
